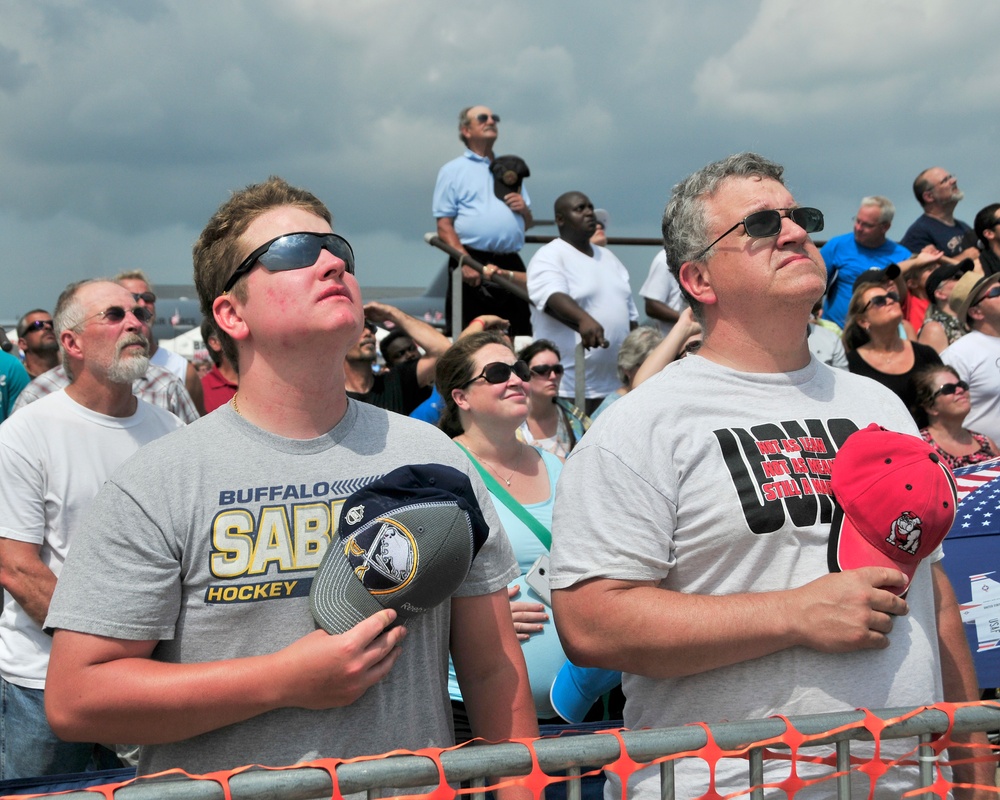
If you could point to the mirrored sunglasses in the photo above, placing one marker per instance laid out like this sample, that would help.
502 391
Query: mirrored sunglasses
39 324
950 388
882 300
294 251
499 372
990 295
544 370
762 224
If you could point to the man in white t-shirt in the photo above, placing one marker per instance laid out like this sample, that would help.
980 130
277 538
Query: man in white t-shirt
571 279
54 456
976 356
692 525
662 293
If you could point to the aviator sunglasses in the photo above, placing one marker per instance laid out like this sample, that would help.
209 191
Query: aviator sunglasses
499 372
147 297
482 119
544 370
762 224
115 314
949 389
881 300
293 251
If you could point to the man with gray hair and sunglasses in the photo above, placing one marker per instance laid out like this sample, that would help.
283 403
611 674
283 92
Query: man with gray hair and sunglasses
54 456
700 569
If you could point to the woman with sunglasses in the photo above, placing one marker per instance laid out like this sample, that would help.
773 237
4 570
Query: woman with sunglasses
553 424
875 348
943 403
485 390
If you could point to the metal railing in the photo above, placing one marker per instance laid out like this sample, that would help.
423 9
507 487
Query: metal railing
577 754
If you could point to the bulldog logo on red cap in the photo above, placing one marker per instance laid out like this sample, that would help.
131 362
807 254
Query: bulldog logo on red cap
905 532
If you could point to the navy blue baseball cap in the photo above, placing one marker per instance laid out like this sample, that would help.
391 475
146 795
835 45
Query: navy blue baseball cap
405 541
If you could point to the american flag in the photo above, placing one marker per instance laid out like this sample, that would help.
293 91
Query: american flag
978 498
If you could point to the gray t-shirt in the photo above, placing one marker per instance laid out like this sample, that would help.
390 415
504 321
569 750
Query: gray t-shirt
710 481
208 541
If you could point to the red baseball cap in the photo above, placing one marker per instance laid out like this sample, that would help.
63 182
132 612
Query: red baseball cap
895 502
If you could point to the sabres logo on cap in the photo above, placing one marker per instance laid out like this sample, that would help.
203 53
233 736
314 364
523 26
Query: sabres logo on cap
355 514
384 558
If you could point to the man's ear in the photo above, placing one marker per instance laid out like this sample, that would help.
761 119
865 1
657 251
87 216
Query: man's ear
695 277
228 313
69 339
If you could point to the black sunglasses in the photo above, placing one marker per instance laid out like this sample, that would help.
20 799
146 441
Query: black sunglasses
38 325
762 224
994 292
499 372
483 118
147 297
882 300
293 251
544 370
116 314
950 388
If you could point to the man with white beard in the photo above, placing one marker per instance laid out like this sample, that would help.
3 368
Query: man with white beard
54 456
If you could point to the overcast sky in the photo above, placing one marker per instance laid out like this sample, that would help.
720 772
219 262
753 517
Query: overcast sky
125 123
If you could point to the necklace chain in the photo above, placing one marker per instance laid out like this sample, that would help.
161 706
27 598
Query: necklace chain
506 480
236 407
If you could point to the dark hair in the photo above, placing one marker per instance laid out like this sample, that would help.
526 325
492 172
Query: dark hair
388 339
454 370
209 328
921 185
529 351
986 218
22 324
923 383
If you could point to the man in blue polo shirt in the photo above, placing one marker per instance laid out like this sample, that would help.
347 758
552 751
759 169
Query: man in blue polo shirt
850 254
473 218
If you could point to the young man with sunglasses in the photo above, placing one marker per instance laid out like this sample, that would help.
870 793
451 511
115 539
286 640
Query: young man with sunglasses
473 219
54 456
692 524
37 340
976 301
184 623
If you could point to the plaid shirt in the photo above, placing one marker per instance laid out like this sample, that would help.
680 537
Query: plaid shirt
159 387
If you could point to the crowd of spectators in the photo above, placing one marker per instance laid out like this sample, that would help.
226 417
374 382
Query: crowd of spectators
921 317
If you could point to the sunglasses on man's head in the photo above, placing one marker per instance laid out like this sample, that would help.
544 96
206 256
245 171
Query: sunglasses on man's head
482 119
762 224
499 372
38 325
950 388
147 297
882 300
115 314
544 370
294 251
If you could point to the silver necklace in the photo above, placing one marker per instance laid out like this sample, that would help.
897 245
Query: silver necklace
494 469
